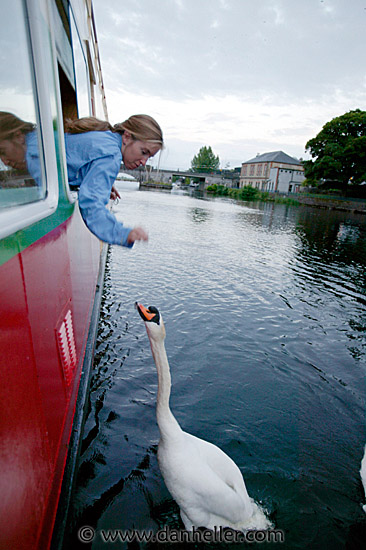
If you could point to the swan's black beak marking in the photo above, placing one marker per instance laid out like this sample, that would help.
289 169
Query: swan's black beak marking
149 315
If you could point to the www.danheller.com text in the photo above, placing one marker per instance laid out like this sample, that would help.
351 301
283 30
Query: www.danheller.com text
87 534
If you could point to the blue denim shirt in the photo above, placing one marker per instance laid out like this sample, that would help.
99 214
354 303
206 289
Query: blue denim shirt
32 157
93 162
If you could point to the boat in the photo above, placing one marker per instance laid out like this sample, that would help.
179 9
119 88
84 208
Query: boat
126 182
51 269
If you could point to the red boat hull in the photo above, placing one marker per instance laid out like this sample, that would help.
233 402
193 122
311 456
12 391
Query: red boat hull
47 294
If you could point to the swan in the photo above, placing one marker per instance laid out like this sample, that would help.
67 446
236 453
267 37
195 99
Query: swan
363 475
206 484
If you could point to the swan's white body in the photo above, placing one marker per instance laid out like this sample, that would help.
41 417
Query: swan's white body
206 484
363 475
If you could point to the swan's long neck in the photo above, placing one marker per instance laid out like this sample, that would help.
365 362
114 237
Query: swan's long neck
168 425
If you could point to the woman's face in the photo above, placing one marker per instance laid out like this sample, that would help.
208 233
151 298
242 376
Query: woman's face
136 153
12 151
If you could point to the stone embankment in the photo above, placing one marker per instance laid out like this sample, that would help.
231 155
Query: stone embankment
154 185
334 203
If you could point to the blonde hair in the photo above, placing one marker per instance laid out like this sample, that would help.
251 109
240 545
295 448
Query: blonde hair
141 127
11 124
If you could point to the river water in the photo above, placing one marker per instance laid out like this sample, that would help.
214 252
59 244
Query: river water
264 308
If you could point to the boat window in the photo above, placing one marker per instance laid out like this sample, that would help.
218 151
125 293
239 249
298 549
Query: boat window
81 72
22 178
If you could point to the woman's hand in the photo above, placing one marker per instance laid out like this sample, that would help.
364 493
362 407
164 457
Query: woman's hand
137 234
114 194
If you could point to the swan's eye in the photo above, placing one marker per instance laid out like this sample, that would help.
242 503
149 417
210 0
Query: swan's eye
150 314
156 318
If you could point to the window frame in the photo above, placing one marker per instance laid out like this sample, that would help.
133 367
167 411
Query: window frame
78 45
15 218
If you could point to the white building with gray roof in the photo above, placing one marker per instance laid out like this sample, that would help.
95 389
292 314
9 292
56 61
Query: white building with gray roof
275 172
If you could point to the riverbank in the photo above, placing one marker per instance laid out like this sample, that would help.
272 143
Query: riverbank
323 201
296 199
155 185
332 203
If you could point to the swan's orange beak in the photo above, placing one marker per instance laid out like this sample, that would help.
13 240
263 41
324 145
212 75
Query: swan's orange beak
144 312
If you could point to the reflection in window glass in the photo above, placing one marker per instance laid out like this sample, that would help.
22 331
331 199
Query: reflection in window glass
21 170
99 108
81 73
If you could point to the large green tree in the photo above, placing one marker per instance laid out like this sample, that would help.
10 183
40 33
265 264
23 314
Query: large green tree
205 161
339 150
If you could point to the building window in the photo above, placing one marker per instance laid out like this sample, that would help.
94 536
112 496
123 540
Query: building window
244 170
251 173
259 170
22 173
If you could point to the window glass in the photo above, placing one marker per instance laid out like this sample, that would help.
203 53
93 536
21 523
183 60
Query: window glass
99 109
81 72
21 163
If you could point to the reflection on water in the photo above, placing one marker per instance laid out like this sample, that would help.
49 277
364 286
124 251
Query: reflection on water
199 215
264 307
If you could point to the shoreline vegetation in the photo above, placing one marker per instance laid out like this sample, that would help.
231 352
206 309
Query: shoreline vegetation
251 194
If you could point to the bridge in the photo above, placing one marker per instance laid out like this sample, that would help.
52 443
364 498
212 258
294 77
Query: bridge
148 173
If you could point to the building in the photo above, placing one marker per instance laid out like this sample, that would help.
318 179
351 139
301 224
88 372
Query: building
275 172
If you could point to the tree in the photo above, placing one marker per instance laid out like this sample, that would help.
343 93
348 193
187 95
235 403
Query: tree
205 161
339 150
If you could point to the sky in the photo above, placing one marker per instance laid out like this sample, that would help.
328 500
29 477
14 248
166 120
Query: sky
242 76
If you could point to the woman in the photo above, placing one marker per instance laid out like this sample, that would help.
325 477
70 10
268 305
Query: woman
19 148
94 153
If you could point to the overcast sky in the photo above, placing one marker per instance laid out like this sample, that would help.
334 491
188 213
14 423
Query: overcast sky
243 76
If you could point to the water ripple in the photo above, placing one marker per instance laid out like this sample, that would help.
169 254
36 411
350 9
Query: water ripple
264 307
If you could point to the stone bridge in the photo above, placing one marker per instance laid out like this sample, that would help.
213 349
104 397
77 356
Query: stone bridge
148 173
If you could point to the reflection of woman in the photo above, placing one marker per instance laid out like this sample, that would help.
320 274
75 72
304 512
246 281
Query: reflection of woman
94 152
19 145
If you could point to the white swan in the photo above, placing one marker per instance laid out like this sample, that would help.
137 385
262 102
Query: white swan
206 484
363 475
